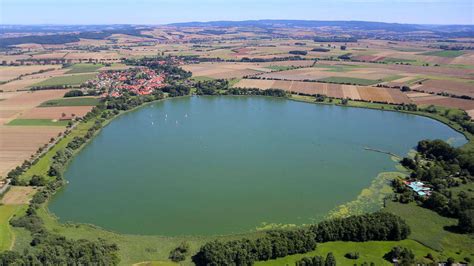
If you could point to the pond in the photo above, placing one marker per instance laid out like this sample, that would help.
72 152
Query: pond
222 165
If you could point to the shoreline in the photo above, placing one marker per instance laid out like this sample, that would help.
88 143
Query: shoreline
105 123
93 231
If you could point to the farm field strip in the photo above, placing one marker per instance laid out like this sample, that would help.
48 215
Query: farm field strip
56 112
18 143
37 122
12 72
71 101
65 80
18 103
329 89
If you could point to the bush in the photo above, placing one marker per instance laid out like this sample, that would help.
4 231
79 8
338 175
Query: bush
404 256
179 253
352 255
37 181
74 93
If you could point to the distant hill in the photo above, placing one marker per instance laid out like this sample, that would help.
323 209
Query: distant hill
344 25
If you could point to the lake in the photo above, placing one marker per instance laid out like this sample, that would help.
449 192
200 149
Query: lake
221 165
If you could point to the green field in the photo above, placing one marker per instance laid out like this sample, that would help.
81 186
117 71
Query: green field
42 166
6 234
37 122
444 53
83 68
346 80
428 228
372 251
280 68
337 68
398 60
73 101
65 80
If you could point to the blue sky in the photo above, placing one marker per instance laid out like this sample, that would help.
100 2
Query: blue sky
166 11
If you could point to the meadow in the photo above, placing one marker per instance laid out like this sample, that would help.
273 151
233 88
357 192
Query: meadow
76 101
84 68
70 80
37 122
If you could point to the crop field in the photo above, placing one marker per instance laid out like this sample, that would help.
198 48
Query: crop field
66 80
37 122
20 142
445 101
83 68
458 88
20 102
12 72
338 73
346 80
225 70
56 112
328 89
72 101
443 53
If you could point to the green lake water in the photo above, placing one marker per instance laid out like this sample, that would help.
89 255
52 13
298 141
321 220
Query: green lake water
221 165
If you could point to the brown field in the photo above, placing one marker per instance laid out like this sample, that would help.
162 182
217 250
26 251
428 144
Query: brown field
293 63
452 87
18 195
375 94
30 80
316 73
470 113
18 143
12 72
350 92
224 70
446 101
17 103
56 112
255 83
332 90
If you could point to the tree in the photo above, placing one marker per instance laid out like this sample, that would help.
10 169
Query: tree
330 260
404 256
74 93
343 47
180 252
466 221
37 181
405 88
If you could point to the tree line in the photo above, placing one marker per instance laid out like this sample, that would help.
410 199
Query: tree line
281 243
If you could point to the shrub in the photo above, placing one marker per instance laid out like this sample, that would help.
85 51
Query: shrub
37 181
179 253
352 255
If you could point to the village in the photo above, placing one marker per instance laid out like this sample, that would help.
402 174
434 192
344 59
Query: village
139 81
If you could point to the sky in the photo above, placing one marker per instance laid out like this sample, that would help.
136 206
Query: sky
168 11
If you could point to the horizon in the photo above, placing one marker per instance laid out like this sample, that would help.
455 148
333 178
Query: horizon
212 21
163 12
